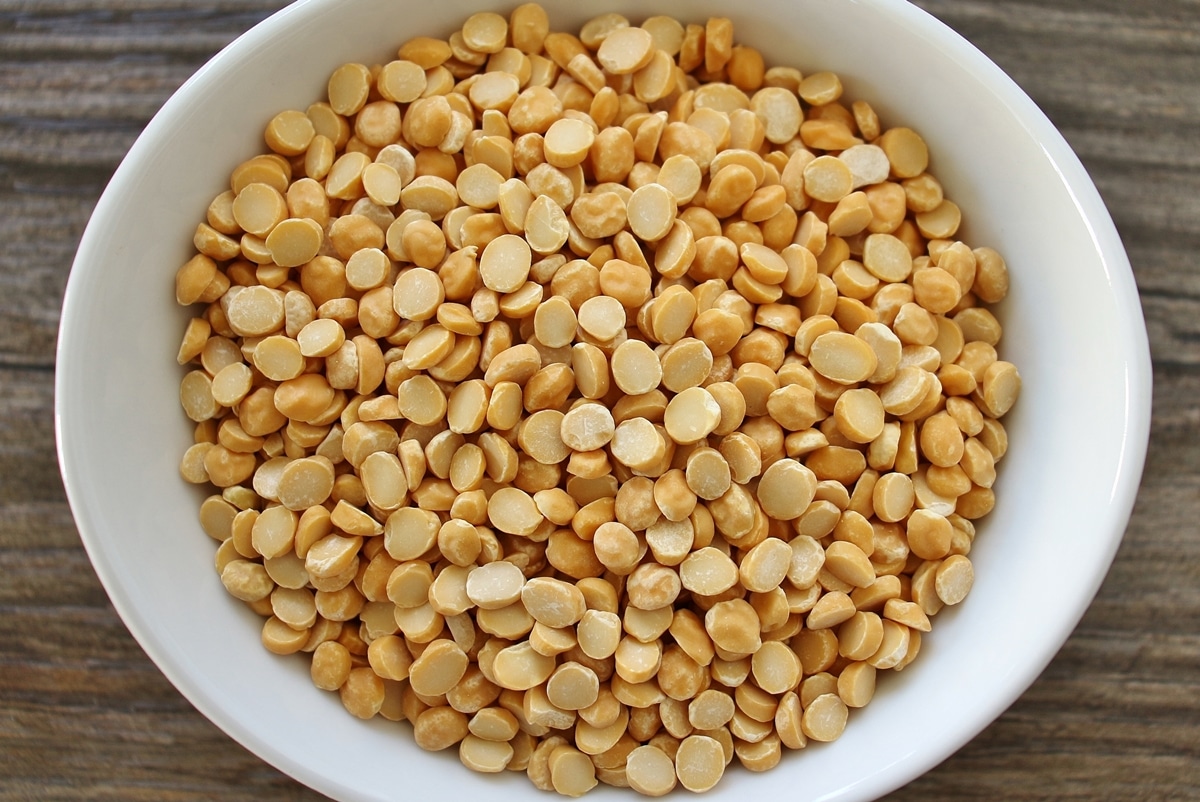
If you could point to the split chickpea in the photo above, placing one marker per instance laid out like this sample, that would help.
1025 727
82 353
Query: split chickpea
609 405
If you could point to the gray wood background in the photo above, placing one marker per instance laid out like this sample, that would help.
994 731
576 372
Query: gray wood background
84 715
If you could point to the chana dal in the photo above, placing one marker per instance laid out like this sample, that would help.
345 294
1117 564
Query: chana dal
607 405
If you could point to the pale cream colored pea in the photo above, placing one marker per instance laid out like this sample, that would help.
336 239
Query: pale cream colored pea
991 276
626 50
254 311
305 482
906 150
700 762
504 264
711 709
494 724
348 88
779 110
599 214
894 648
825 718
636 368
399 159
572 773
421 400
487 756
842 357
320 338
887 257
651 210
617 547
650 771
408 584
274 531
691 415
887 347
567 142
820 88
599 633
670 541
289 133
637 444
495 585
437 728
382 184
417 294
409 532
929 534
519 667
196 396
682 177
765 565
353 521
954 578
438 668
553 602
422 242
868 163
459 542
191 466
513 511
430 194
907 613
258 208
590 367
786 489
362 694
831 609
540 436
573 686
652 586
546 225
667 33
827 178
859 415
733 626
893 497
587 427
401 81
294 242
707 473
231 384
657 79
999 388
247 580
848 563
554 322
479 186
708 572
331 664
775 668
485 32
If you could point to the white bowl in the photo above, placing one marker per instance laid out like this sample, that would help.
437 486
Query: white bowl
1072 324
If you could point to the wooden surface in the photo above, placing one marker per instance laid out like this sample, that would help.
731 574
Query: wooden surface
84 715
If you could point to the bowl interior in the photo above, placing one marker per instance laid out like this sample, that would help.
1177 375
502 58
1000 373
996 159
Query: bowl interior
1072 325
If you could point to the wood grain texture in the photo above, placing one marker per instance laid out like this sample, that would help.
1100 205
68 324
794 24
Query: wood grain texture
84 715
